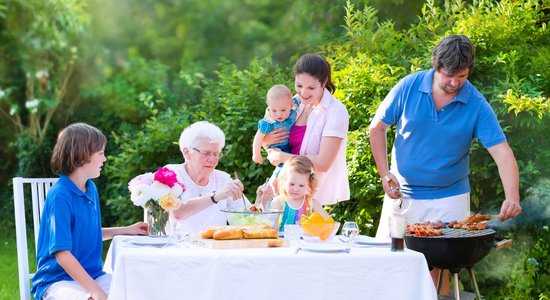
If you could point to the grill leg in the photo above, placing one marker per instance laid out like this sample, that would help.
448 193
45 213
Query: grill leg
471 271
439 280
457 287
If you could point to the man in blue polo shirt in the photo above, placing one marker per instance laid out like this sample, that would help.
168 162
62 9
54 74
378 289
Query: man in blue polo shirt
438 113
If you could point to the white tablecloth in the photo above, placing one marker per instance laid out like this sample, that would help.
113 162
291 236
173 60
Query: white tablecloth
265 273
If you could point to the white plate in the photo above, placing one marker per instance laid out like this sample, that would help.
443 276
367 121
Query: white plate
367 240
148 241
324 247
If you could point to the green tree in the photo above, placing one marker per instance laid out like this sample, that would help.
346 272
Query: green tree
41 50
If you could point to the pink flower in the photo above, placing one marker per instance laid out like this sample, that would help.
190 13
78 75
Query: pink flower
143 179
166 176
182 186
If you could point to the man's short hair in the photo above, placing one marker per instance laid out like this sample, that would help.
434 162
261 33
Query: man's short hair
454 53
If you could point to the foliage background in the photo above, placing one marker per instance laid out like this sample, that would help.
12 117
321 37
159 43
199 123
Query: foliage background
144 70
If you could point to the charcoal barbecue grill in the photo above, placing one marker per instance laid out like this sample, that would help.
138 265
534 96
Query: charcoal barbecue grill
456 249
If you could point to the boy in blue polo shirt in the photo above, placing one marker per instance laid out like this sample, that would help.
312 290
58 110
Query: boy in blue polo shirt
70 238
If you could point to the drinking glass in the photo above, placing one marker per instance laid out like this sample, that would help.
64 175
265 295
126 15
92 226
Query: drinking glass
349 231
178 236
398 228
292 233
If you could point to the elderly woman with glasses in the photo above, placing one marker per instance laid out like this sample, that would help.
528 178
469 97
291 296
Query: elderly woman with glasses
207 190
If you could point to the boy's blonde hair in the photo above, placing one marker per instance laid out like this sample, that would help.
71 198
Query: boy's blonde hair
278 91
301 165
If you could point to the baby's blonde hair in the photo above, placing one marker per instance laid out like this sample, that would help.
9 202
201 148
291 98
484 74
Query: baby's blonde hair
278 91
301 165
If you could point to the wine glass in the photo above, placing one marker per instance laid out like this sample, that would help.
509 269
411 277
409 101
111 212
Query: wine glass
178 236
349 231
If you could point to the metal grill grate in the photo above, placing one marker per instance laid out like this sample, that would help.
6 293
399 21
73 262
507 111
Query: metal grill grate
459 233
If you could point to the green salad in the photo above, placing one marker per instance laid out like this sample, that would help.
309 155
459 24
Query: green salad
249 219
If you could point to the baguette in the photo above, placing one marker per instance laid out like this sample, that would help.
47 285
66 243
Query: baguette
228 233
258 226
260 233
208 232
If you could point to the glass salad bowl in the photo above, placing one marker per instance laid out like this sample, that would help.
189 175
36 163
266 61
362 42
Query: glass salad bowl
247 217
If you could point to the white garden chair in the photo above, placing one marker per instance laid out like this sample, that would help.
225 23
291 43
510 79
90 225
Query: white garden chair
38 190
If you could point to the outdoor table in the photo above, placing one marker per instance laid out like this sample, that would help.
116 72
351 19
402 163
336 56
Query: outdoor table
190 271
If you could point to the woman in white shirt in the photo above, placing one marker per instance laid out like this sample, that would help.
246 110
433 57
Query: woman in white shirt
207 190
320 131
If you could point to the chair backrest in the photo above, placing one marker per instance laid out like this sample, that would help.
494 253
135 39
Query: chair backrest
38 190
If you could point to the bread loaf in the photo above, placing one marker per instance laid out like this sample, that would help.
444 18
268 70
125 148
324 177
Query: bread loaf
208 232
239 232
228 233
260 233
258 226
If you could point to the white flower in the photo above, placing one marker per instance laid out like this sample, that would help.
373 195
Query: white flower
176 190
158 190
140 194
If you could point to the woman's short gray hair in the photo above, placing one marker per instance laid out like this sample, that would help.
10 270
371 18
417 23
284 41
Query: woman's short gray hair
201 130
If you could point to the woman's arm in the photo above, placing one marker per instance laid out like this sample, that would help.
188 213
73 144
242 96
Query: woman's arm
233 189
257 147
276 204
71 265
327 153
318 208
139 228
321 162
276 136
264 194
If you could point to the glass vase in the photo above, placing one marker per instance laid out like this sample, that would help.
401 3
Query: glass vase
157 218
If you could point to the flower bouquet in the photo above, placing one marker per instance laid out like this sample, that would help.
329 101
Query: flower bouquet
158 194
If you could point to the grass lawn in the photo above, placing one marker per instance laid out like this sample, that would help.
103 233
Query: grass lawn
9 282
9 286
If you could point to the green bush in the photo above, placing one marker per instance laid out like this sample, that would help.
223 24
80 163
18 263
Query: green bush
141 150
521 271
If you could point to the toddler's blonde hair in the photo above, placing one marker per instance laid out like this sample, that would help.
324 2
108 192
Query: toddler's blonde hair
301 165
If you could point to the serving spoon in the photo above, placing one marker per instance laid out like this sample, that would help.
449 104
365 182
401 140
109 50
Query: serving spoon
242 197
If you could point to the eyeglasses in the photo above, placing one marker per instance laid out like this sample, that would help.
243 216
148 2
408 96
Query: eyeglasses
209 154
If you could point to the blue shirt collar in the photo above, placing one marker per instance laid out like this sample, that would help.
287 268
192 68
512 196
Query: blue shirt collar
66 181
426 87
